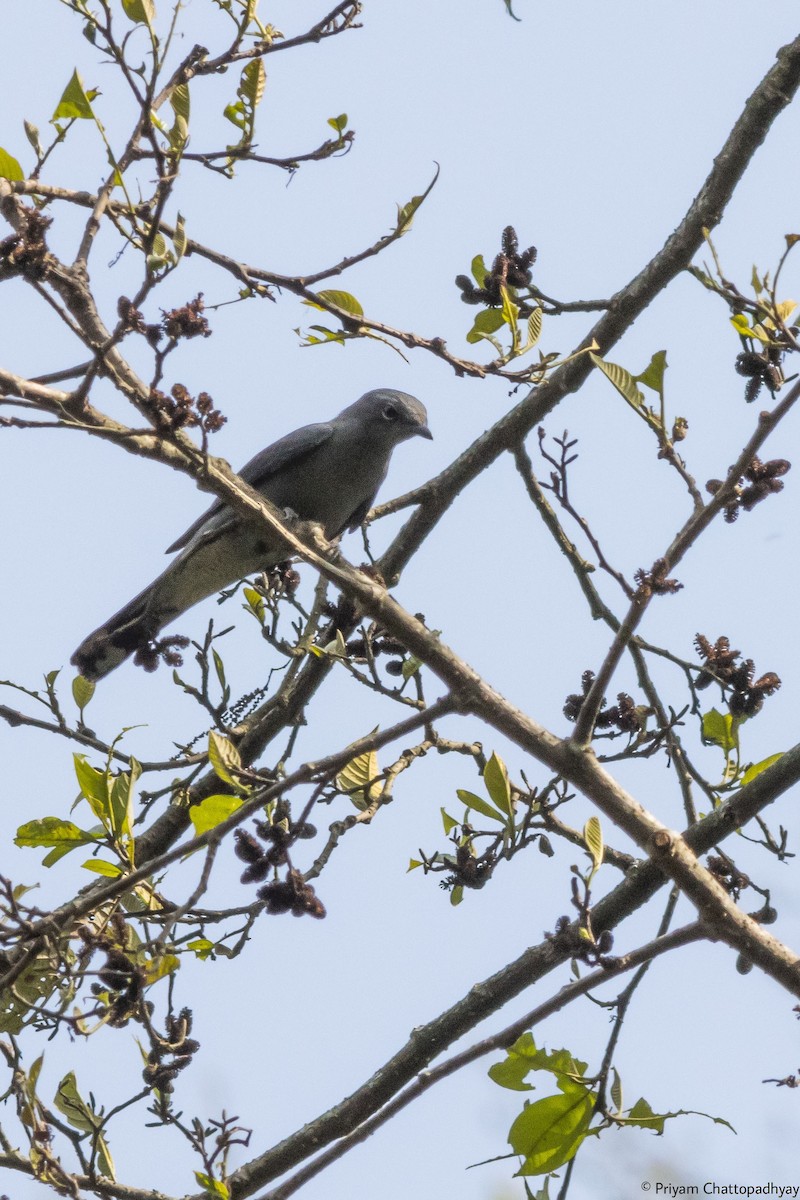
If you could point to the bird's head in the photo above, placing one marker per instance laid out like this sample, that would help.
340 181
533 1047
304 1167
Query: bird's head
389 417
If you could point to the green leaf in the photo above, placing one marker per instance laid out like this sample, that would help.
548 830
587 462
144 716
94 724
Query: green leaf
410 667
593 838
9 167
223 757
212 1187
338 124
142 12
75 102
745 329
643 1116
161 967
32 134
71 1104
721 729
81 1116
756 768
622 380
179 238
524 1056
53 831
510 310
82 691
534 328
180 101
616 1089
482 806
202 948
413 863
253 81
405 213
358 779
255 603
448 822
213 811
94 785
495 776
122 802
342 300
101 867
487 322
548 1133
457 895
653 374
478 268
242 113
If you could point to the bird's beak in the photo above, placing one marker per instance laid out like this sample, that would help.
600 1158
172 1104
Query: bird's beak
423 431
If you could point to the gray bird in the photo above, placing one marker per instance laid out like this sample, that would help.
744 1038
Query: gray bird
328 473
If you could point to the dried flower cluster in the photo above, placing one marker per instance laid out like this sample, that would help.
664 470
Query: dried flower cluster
510 269
655 582
282 579
728 874
759 481
166 650
624 715
747 694
187 321
761 368
172 1053
181 410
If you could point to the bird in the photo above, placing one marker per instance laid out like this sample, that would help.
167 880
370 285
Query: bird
328 473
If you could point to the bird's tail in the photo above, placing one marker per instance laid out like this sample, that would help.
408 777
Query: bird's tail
120 636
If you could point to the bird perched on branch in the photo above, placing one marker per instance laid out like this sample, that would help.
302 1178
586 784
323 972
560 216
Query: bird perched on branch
328 473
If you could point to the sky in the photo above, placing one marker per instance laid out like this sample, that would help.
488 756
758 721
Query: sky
589 128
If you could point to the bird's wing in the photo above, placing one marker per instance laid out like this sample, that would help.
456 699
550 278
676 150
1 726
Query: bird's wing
288 451
357 517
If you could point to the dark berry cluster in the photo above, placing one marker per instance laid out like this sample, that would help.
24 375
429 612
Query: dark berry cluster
181 410
170 1054
510 269
469 870
133 321
759 481
121 981
579 942
761 368
624 715
293 895
747 694
728 874
166 650
268 851
25 252
282 579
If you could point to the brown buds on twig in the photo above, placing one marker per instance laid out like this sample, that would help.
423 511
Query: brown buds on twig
180 410
759 481
655 582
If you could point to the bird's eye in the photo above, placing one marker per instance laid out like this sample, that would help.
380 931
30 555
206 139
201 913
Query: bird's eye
391 413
